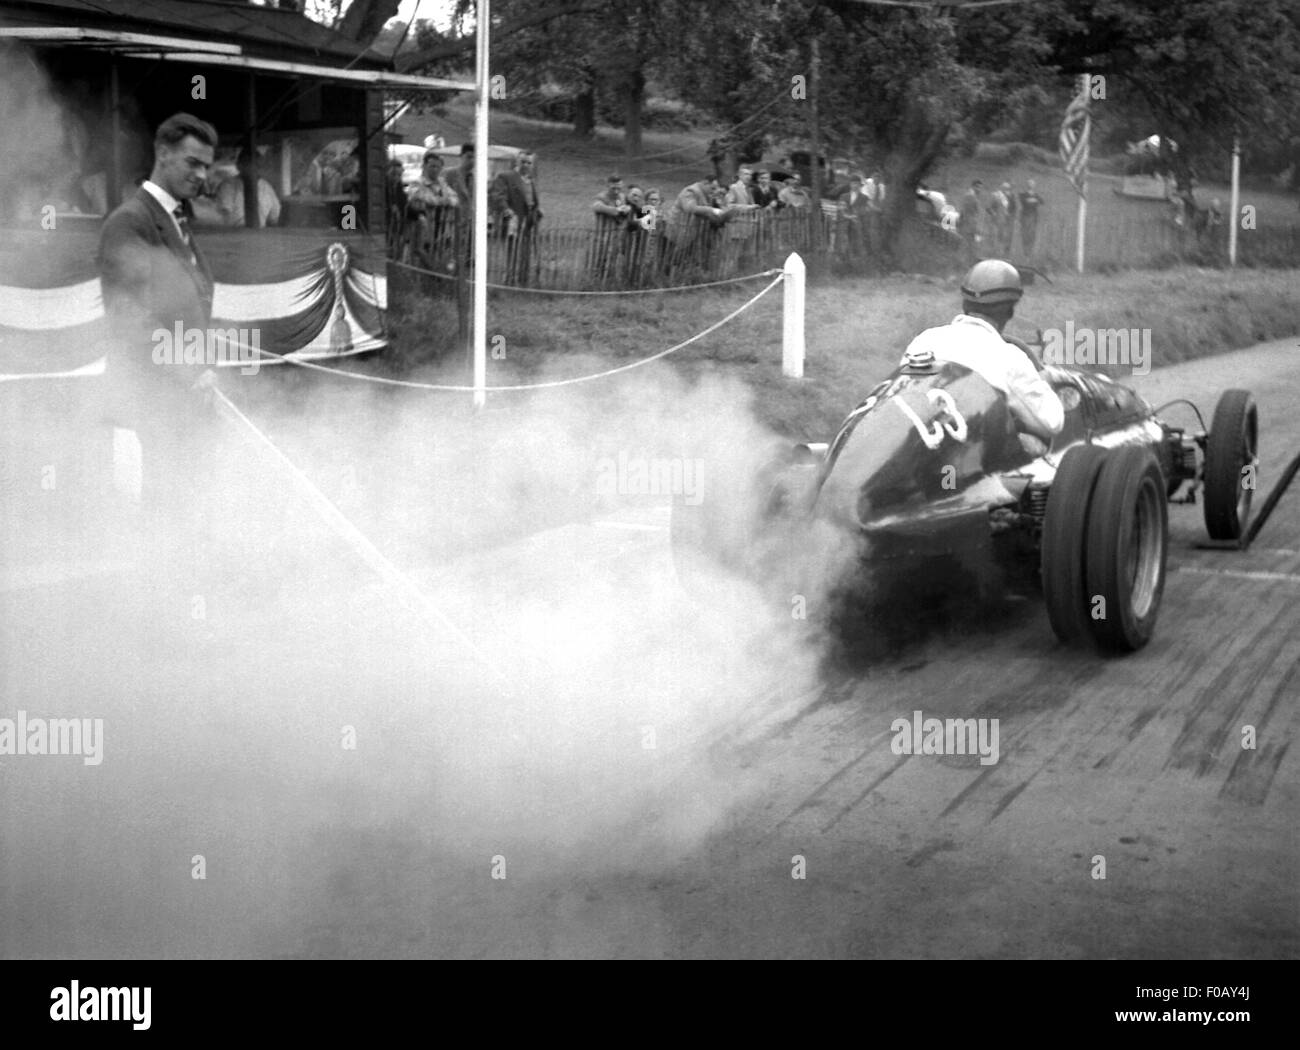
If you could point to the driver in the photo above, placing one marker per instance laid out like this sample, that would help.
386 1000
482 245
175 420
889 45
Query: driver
974 339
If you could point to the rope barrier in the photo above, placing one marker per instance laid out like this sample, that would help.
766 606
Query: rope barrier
577 291
384 381
414 599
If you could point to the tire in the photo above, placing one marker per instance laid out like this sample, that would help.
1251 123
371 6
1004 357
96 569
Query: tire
1126 549
1064 535
1232 445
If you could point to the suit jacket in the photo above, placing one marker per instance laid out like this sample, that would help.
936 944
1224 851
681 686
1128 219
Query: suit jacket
972 213
509 186
149 283
854 209
687 218
463 186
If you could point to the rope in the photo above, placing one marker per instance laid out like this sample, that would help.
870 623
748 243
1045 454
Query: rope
383 380
414 599
561 291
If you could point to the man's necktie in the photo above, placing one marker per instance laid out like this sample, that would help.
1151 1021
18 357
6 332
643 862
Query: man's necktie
182 220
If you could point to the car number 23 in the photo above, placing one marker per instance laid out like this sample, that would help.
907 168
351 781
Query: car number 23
948 419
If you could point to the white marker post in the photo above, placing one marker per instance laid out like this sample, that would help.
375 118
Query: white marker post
792 341
481 163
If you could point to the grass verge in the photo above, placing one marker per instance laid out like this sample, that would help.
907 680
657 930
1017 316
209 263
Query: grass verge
856 331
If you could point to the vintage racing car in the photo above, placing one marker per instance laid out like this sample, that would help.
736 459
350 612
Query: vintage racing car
929 473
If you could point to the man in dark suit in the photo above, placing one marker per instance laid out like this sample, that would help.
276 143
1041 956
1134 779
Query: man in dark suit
854 208
461 181
152 273
516 193
157 290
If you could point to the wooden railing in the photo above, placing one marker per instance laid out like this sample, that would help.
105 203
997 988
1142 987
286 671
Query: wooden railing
617 258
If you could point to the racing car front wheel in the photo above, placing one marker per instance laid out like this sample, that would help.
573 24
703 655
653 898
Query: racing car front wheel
1230 461
1126 549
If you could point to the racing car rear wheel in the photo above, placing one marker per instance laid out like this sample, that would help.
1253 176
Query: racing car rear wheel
1126 549
1230 448
1064 532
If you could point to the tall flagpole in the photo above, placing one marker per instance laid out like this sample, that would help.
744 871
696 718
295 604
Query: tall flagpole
1083 182
481 164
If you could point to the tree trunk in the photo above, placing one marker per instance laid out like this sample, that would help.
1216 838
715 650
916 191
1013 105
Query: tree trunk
815 141
919 147
584 113
364 20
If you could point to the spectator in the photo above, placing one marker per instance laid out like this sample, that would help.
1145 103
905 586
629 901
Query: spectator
838 184
515 192
431 215
396 192
611 210
636 236
765 194
1001 219
432 190
1029 203
874 188
691 226
654 204
970 222
741 212
853 208
793 194
461 181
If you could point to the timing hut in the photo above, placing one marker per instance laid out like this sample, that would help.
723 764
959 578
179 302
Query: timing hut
83 85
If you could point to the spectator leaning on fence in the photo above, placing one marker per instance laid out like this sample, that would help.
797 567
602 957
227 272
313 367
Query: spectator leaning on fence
764 194
793 194
635 236
611 210
431 190
461 179
514 199
741 212
431 213
691 222
654 204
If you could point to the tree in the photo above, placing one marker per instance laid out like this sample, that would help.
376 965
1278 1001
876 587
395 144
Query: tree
1199 70
583 45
